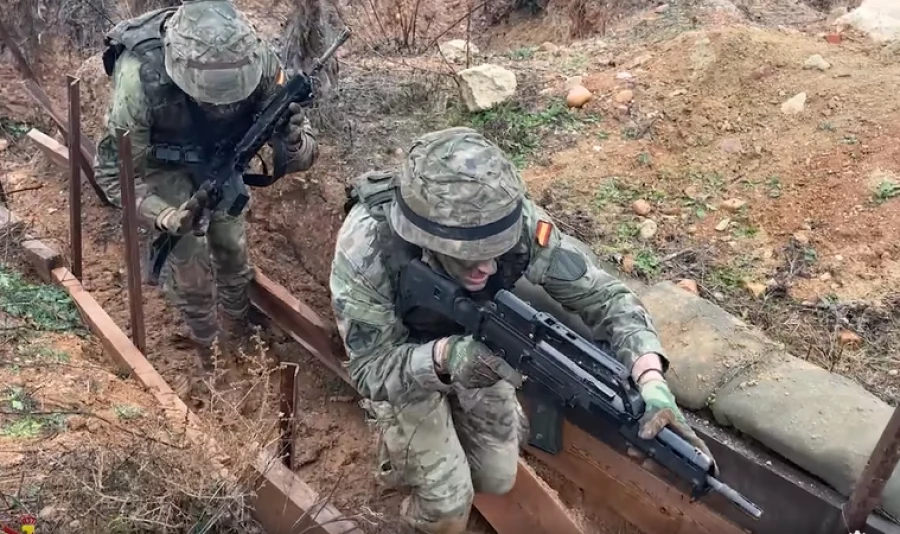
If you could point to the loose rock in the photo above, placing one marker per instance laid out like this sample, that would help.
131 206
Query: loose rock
801 238
755 288
549 47
578 96
816 62
688 285
848 337
731 145
627 265
486 86
648 229
794 105
641 207
625 96
723 224
4 144
733 204
455 50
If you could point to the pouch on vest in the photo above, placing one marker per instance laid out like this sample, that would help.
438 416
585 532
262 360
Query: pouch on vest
373 189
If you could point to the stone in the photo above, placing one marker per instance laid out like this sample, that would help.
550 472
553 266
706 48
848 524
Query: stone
848 337
755 288
731 145
801 238
648 229
624 75
455 50
48 513
486 86
578 96
625 96
733 204
825 423
641 207
627 265
879 19
688 285
816 61
794 105
701 340
723 224
834 38
549 47
4 144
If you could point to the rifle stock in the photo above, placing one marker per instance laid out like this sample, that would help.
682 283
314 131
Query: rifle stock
224 173
566 376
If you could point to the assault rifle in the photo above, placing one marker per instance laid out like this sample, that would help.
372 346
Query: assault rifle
223 177
565 376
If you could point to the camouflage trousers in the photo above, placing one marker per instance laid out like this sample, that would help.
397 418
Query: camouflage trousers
447 447
204 271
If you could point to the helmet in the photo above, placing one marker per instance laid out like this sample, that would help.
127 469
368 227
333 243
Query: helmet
459 196
212 52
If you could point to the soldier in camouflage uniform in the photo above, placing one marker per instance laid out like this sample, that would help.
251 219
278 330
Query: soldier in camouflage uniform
184 79
445 406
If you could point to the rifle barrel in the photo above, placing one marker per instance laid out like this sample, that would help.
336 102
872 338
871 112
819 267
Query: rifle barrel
736 498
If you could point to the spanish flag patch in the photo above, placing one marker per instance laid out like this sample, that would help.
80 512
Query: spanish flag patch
542 233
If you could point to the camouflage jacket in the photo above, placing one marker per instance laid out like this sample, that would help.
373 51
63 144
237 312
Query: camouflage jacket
386 364
133 107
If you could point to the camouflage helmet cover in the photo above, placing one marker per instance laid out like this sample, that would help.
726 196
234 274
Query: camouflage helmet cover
212 52
458 195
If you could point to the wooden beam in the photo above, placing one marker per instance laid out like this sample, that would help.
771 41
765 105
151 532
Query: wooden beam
55 151
42 258
634 493
283 499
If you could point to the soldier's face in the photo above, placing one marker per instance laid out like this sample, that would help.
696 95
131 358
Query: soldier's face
472 275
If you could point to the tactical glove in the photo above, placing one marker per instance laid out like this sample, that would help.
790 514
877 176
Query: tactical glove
177 221
298 131
472 365
661 411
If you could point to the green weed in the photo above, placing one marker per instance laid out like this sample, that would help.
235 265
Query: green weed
885 191
127 412
521 54
518 131
45 307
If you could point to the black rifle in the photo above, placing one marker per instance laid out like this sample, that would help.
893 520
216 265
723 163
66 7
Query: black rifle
565 376
223 177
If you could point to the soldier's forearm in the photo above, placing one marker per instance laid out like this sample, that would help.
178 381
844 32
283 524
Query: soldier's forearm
403 372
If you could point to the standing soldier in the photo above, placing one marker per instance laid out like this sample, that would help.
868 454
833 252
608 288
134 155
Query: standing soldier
445 406
184 80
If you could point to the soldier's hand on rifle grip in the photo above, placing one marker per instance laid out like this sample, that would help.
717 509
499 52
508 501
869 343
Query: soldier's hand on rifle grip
662 411
298 127
472 364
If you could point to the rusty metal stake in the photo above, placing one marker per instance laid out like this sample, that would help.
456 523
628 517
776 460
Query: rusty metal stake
288 400
867 494
75 174
129 223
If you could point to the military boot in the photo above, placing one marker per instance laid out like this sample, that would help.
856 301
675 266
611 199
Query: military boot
241 332
410 515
